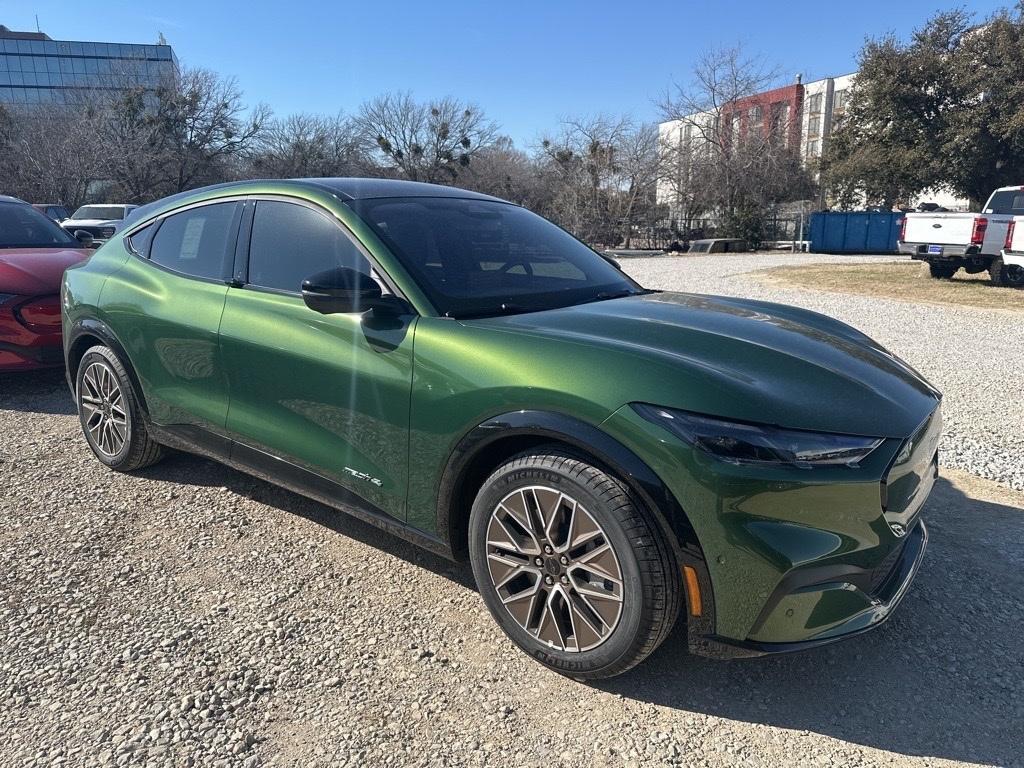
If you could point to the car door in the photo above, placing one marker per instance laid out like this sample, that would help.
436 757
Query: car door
165 306
328 394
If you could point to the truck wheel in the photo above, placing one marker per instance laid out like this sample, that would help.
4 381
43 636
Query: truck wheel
1013 275
942 271
996 272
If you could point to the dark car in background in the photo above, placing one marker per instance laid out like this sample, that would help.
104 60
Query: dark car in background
52 211
34 252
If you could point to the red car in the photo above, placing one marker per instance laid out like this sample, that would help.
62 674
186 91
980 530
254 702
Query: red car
34 252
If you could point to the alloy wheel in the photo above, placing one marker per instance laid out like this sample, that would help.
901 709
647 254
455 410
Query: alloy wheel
554 568
103 409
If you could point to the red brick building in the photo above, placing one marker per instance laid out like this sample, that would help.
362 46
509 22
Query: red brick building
775 112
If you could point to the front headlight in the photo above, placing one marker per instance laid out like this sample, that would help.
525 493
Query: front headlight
739 443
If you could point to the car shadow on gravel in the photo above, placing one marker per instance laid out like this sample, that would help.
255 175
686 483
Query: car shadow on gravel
943 678
43 391
188 469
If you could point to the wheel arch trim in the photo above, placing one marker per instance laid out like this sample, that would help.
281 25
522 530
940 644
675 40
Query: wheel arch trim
575 433
89 326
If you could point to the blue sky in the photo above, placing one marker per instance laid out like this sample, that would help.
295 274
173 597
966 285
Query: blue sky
527 63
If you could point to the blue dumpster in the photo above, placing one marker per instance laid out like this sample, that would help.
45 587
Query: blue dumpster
855 231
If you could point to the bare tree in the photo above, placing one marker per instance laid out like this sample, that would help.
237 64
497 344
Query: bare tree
602 172
721 153
431 142
189 131
305 145
506 172
49 154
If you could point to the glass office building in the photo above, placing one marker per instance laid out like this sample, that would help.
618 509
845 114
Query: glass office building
37 70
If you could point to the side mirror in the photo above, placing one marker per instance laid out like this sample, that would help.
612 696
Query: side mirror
341 290
610 259
84 238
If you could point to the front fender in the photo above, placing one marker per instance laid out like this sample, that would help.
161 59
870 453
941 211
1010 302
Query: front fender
600 447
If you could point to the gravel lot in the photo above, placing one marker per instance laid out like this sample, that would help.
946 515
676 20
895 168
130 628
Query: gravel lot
191 615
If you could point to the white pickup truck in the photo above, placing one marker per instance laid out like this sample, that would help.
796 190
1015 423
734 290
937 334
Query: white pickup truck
1013 254
974 241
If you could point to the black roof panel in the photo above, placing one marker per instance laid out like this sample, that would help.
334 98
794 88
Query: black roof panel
363 189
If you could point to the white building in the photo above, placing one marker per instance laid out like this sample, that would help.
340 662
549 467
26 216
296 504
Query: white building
822 108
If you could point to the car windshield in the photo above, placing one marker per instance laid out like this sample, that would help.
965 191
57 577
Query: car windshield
102 212
477 257
22 226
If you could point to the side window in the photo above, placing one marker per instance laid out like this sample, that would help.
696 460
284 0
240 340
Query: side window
291 242
138 242
196 242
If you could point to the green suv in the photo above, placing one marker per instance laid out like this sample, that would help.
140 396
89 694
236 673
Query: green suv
468 376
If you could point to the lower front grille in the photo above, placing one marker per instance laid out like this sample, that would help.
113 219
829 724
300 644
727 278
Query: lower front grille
98 233
881 572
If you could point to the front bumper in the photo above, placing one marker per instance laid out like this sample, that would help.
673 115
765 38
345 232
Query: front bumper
796 559
865 610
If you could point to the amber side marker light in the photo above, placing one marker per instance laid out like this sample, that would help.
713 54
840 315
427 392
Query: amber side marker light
692 590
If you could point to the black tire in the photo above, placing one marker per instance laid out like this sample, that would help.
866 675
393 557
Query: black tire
942 271
136 449
1013 275
995 272
651 589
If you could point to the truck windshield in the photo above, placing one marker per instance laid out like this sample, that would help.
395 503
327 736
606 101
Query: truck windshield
478 257
103 212
22 226
1006 201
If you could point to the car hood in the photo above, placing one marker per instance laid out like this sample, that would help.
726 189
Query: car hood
72 223
740 359
36 271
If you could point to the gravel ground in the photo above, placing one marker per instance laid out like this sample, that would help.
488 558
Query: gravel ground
191 615
975 356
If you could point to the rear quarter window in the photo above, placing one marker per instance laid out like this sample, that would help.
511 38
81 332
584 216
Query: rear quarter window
197 242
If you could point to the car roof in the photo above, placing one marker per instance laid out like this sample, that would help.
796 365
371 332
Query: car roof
9 199
345 189
365 189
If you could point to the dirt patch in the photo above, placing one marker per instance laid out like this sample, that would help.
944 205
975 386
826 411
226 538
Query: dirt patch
907 281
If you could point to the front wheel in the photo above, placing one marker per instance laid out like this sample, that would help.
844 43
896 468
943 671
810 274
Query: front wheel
571 565
110 414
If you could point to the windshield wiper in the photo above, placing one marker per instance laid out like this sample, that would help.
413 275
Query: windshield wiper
606 295
501 309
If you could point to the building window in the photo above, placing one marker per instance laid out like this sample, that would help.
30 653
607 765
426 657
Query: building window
813 148
839 103
755 125
779 126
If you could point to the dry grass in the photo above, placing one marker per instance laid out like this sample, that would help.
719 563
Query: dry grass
908 281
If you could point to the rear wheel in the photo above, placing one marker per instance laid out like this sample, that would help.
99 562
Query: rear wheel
942 271
1013 275
571 566
110 415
